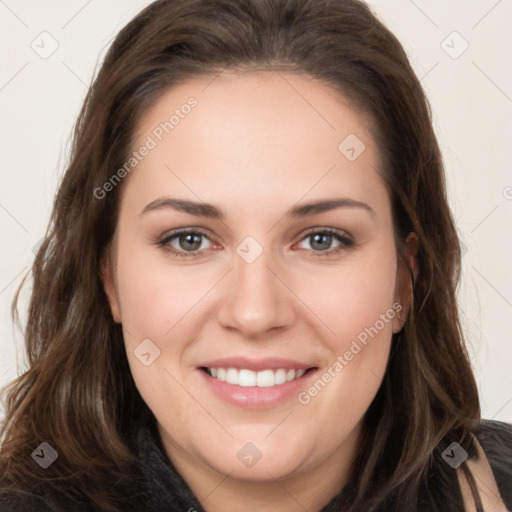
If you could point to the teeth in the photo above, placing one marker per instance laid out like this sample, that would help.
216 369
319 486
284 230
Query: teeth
280 376
265 379
232 376
245 378
248 378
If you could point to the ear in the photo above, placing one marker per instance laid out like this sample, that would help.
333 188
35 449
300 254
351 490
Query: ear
406 277
109 285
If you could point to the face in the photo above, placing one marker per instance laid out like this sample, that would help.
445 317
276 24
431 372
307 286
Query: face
224 269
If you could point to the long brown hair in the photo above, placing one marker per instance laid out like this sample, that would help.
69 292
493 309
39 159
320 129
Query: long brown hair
78 392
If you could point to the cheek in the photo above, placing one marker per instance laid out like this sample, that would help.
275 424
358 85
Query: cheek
356 304
155 297
152 299
350 298
165 304
158 304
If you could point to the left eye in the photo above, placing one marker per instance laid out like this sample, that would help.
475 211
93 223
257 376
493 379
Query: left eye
321 241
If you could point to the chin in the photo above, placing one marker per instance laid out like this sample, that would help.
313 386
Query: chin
257 460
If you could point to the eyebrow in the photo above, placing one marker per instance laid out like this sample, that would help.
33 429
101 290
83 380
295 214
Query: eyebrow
208 210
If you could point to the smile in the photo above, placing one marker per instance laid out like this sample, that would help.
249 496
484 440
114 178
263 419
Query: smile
248 378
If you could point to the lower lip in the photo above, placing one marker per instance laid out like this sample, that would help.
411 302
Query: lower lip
254 397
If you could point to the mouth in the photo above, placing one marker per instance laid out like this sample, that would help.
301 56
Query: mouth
266 378
251 384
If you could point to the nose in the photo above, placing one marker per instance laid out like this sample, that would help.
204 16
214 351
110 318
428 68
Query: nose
257 298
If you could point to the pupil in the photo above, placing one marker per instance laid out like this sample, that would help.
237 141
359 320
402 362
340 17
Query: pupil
318 237
189 238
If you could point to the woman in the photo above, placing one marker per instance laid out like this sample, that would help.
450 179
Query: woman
246 297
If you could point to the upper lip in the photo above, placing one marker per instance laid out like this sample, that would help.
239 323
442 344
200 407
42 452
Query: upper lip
256 365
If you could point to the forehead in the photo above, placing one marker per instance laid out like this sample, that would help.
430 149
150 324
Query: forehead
253 135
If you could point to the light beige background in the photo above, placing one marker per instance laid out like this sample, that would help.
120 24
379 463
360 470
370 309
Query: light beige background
471 98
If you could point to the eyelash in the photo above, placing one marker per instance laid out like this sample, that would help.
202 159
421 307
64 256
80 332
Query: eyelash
344 240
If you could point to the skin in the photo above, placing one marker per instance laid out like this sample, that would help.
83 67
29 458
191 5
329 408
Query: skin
256 145
485 482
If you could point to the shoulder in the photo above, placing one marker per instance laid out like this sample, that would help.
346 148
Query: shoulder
492 469
496 439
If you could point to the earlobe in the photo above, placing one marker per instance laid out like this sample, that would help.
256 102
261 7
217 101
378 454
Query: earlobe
107 277
406 280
